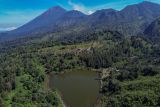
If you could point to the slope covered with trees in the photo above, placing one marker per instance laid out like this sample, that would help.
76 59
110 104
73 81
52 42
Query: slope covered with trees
133 80
153 31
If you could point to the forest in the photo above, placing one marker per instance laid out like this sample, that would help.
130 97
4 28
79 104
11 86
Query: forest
136 82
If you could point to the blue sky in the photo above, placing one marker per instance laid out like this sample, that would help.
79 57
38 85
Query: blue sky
14 13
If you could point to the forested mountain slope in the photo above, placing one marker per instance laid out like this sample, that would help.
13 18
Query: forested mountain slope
136 62
153 31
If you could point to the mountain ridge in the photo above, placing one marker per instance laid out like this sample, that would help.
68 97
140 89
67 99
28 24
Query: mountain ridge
59 19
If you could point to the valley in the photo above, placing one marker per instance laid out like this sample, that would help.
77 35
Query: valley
106 59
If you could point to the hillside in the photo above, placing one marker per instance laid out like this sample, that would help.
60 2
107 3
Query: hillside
153 31
135 58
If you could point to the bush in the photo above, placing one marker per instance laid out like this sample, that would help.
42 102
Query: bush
113 85
149 72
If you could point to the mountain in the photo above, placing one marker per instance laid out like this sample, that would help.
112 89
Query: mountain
100 14
70 18
39 24
153 30
43 20
131 20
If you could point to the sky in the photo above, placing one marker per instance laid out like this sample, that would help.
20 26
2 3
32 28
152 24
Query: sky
15 13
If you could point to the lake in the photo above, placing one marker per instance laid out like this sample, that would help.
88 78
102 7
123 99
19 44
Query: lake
78 88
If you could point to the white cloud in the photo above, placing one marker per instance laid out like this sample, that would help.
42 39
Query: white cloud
7 29
118 5
90 12
80 7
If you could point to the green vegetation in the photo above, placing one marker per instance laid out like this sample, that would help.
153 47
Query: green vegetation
134 81
22 83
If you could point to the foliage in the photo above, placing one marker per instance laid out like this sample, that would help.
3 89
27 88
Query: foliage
134 82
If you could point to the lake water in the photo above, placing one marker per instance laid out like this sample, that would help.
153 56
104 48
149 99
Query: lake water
78 88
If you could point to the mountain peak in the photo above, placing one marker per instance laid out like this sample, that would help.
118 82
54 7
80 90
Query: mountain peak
75 13
72 14
142 8
106 10
56 9
147 2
